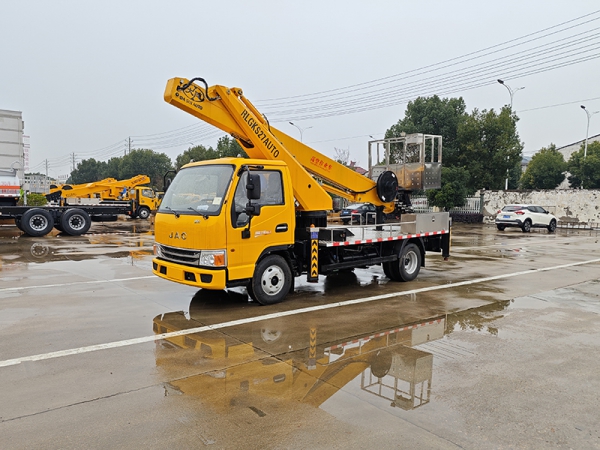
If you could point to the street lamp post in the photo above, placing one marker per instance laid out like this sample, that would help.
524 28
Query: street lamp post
587 131
510 91
299 129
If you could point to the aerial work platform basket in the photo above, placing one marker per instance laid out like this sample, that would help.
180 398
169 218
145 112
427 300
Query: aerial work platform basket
416 159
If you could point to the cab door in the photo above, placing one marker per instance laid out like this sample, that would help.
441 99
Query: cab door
248 238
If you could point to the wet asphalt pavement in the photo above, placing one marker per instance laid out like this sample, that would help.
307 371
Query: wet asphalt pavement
499 347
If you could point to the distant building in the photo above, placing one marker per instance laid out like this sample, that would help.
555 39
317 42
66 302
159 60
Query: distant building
356 168
568 150
37 183
12 147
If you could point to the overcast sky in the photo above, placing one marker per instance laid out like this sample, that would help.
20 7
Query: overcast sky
87 75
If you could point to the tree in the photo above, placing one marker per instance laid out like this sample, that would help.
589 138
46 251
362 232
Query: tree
228 147
585 172
545 170
87 171
432 115
113 167
196 153
454 191
342 156
489 147
145 162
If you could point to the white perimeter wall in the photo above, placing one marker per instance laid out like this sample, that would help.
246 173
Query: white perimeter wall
573 205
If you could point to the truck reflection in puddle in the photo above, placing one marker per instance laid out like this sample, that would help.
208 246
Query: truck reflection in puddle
66 248
300 362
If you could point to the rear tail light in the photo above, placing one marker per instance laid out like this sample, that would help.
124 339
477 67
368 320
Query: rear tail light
499 211
520 213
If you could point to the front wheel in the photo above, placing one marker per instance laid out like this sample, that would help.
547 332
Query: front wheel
407 266
272 280
143 212
526 226
552 226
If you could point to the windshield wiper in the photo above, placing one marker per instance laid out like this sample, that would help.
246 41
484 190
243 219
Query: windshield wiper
203 214
175 213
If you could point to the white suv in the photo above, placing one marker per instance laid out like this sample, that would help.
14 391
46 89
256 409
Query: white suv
525 217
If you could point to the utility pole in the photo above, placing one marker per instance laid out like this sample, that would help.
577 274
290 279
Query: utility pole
46 180
129 152
73 161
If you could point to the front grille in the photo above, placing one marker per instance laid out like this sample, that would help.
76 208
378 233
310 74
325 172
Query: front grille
179 255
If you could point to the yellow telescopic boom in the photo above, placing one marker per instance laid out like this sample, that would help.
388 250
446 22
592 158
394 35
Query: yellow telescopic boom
313 174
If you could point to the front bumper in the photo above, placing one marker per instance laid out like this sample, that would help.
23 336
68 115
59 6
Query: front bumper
193 276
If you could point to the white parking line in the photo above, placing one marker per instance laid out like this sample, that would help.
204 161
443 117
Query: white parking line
141 340
74 283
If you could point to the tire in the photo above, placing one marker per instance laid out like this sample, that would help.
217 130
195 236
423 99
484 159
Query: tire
75 222
18 223
272 280
37 222
387 269
408 264
552 226
500 227
526 226
143 212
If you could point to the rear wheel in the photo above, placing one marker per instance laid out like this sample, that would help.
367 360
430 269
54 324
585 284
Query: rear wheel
526 226
500 227
387 269
408 264
75 222
18 223
552 226
37 222
272 280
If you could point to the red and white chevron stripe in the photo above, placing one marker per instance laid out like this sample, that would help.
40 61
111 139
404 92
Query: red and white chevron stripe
391 238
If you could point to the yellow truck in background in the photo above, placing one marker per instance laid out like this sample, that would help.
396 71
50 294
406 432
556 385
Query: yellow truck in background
261 222
110 191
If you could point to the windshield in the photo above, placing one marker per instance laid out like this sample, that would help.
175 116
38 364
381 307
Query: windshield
511 208
197 190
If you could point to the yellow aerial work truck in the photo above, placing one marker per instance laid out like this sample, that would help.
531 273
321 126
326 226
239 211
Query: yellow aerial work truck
262 221
110 191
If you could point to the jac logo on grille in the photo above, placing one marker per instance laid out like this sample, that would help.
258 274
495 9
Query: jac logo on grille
176 235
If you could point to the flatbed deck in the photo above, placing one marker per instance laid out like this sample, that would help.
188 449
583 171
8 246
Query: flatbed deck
344 235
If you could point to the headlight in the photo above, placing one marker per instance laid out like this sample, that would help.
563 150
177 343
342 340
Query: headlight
213 258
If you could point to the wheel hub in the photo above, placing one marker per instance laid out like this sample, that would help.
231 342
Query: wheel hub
271 280
38 223
410 262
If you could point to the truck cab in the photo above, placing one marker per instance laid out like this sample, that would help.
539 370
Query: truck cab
207 207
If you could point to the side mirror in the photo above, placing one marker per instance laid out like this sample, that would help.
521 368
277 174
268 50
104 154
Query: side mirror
253 209
167 178
253 187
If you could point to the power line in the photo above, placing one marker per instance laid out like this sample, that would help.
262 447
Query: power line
398 89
